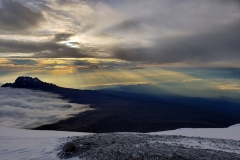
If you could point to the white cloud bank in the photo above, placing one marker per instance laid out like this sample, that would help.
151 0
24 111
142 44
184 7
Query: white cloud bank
23 108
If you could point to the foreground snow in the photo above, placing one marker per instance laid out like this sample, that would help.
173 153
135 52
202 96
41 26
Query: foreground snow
30 144
16 144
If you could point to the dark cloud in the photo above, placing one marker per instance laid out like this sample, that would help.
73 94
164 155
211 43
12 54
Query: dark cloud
23 61
108 64
105 64
48 49
14 17
217 44
87 65
81 63
128 26
136 68
64 2
62 37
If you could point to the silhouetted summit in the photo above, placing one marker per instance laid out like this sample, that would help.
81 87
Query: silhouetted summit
28 82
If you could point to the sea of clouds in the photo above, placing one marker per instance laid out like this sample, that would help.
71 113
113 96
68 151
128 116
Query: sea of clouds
24 108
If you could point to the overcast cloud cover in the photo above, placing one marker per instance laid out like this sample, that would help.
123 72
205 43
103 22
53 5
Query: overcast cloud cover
161 31
82 43
23 108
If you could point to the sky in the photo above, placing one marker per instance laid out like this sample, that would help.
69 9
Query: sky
189 48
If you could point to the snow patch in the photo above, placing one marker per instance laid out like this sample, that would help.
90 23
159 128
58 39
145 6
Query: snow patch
235 126
233 132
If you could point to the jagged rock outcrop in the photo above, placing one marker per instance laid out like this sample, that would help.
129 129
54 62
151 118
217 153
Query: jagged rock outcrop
29 82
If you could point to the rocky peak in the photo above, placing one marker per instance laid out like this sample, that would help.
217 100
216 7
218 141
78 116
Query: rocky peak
28 82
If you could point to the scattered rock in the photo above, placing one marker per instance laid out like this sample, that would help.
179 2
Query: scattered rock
69 147
145 147
86 143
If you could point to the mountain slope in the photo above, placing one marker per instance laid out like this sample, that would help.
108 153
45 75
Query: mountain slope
117 111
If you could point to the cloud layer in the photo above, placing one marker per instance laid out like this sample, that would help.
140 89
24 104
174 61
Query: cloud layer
216 44
166 31
22 108
15 17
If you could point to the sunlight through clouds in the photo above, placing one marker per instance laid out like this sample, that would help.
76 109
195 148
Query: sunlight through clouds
99 43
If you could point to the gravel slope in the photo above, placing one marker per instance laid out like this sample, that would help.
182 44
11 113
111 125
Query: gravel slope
144 146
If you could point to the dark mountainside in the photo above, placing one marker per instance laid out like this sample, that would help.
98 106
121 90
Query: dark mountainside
129 112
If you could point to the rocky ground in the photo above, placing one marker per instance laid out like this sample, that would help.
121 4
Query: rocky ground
147 147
